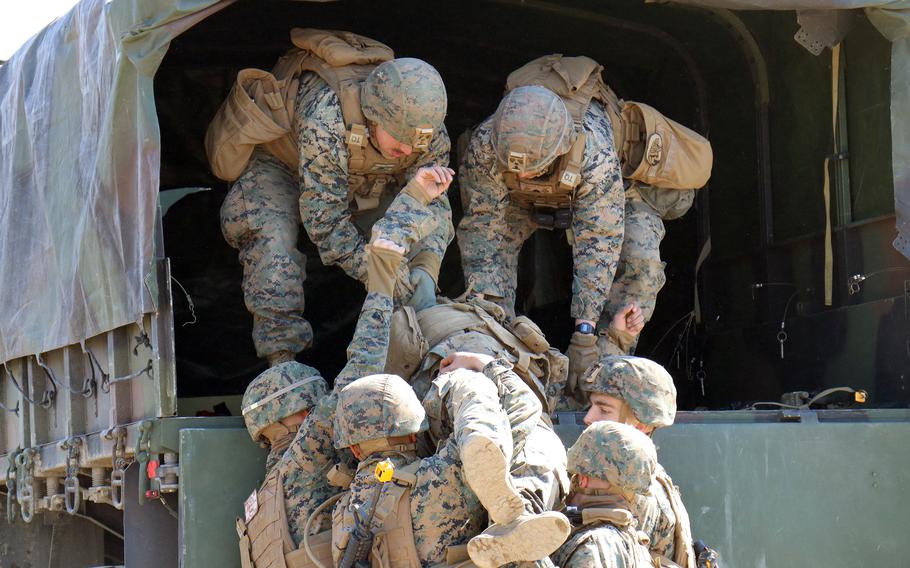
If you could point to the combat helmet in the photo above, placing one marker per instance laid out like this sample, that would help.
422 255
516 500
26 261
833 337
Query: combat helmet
376 407
616 453
279 392
531 128
407 98
644 385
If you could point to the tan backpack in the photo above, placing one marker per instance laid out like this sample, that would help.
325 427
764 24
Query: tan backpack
652 148
260 109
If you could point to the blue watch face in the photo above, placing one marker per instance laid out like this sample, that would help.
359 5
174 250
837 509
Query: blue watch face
584 328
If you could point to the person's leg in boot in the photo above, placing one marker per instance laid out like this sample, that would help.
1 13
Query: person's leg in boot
260 217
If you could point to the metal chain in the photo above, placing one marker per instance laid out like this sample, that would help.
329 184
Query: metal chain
72 491
118 463
11 501
25 486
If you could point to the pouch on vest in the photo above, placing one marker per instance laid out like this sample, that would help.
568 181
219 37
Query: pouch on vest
253 113
320 545
668 203
662 152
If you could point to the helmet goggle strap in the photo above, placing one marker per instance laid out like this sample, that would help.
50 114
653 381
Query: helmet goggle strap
422 138
263 401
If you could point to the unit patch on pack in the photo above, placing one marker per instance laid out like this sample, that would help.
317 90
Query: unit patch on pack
655 149
251 506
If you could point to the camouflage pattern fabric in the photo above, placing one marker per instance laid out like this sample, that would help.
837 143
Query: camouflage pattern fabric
532 122
493 230
616 453
262 213
644 385
402 95
370 408
259 411
640 275
603 546
311 455
444 510
659 520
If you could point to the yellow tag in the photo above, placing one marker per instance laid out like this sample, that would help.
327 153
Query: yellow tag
384 471
859 396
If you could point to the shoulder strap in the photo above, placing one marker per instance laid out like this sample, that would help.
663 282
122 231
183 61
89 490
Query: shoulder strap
681 532
393 542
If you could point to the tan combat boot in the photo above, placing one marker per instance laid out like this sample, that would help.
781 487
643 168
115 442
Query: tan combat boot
528 538
279 357
487 473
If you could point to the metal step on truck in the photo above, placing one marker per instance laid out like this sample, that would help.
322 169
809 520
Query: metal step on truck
125 344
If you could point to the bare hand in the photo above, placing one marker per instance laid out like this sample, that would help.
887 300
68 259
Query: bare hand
464 360
434 180
386 244
629 319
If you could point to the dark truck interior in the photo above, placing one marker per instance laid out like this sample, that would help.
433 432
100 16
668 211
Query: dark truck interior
738 78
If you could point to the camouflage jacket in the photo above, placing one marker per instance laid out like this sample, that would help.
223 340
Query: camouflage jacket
603 546
323 176
597 216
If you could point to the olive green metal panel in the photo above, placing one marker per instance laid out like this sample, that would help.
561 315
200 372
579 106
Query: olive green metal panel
218 470
829 490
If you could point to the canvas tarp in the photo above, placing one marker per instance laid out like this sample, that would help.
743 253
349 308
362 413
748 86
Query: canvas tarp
79 171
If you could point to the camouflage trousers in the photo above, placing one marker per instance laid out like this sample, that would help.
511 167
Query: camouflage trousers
260 217
518 228
640 275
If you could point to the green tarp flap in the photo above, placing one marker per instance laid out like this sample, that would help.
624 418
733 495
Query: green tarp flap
79 171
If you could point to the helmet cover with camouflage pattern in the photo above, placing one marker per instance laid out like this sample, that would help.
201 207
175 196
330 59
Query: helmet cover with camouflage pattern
279 392
616 453
407 98
531 128
375 407
644 385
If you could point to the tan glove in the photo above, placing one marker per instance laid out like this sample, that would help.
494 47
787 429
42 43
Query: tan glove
382 269
616 341
582 353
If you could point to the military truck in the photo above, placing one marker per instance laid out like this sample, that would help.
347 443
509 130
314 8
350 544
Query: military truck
125 344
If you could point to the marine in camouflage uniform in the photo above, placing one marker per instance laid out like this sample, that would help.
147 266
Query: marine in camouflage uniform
471 431
640 275
277 401
262 212
312 454
621 462
646 398
493 229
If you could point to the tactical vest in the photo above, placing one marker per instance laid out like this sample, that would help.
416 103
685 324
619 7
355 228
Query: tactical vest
651 148
343 60
265 540
576 80
621 519
393 532
683 555
538 364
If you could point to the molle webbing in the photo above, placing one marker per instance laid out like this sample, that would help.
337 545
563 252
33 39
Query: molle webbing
266 539
393 533
440 322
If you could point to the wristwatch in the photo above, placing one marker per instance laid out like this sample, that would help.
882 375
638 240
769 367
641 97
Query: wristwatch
585 328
